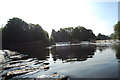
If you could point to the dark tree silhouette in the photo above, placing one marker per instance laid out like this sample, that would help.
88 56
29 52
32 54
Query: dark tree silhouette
102 37
71 34
18 33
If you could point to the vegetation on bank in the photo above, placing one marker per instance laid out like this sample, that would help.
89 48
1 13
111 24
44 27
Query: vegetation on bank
76 34
116 34
18 33
71 34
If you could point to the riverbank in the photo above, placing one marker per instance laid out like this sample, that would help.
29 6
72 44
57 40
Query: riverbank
97 42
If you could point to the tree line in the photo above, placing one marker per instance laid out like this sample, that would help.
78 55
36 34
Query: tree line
76 34
71 34
19 32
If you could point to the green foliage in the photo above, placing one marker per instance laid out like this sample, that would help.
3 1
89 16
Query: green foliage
71 34
113 36
117 30
16 31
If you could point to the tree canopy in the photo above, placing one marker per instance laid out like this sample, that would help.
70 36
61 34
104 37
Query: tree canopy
117 30
71 34
17 31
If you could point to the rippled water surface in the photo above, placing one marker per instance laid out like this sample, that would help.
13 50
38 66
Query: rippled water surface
74 61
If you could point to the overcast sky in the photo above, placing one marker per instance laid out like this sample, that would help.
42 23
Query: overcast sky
99 15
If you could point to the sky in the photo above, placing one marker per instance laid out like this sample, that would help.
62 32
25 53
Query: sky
97 15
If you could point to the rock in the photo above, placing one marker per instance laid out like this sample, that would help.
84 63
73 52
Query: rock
2 56
19 64
25 69
55 76
46 63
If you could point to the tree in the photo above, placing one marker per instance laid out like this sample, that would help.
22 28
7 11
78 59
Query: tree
17 31
62 35
117 30
14 31
36 33
112 36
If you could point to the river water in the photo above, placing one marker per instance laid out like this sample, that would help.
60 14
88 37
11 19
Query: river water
77 61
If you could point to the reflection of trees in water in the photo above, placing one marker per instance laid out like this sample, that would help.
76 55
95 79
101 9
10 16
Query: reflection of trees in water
102 47
117 50
32 51
66 53
37 53
73 53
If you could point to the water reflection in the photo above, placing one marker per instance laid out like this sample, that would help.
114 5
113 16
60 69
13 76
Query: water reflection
73 53
102 47
67 53
33 52
117 50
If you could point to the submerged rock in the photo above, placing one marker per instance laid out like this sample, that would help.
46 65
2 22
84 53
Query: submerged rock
54 76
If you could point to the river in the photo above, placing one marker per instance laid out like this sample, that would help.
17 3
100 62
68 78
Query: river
85 61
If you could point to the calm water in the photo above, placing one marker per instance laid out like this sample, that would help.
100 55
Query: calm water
78 61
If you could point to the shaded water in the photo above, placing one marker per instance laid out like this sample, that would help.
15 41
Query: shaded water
77 61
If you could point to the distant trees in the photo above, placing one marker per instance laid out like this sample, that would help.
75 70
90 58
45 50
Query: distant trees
71 34
16 31
102 37
82 34
62 35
